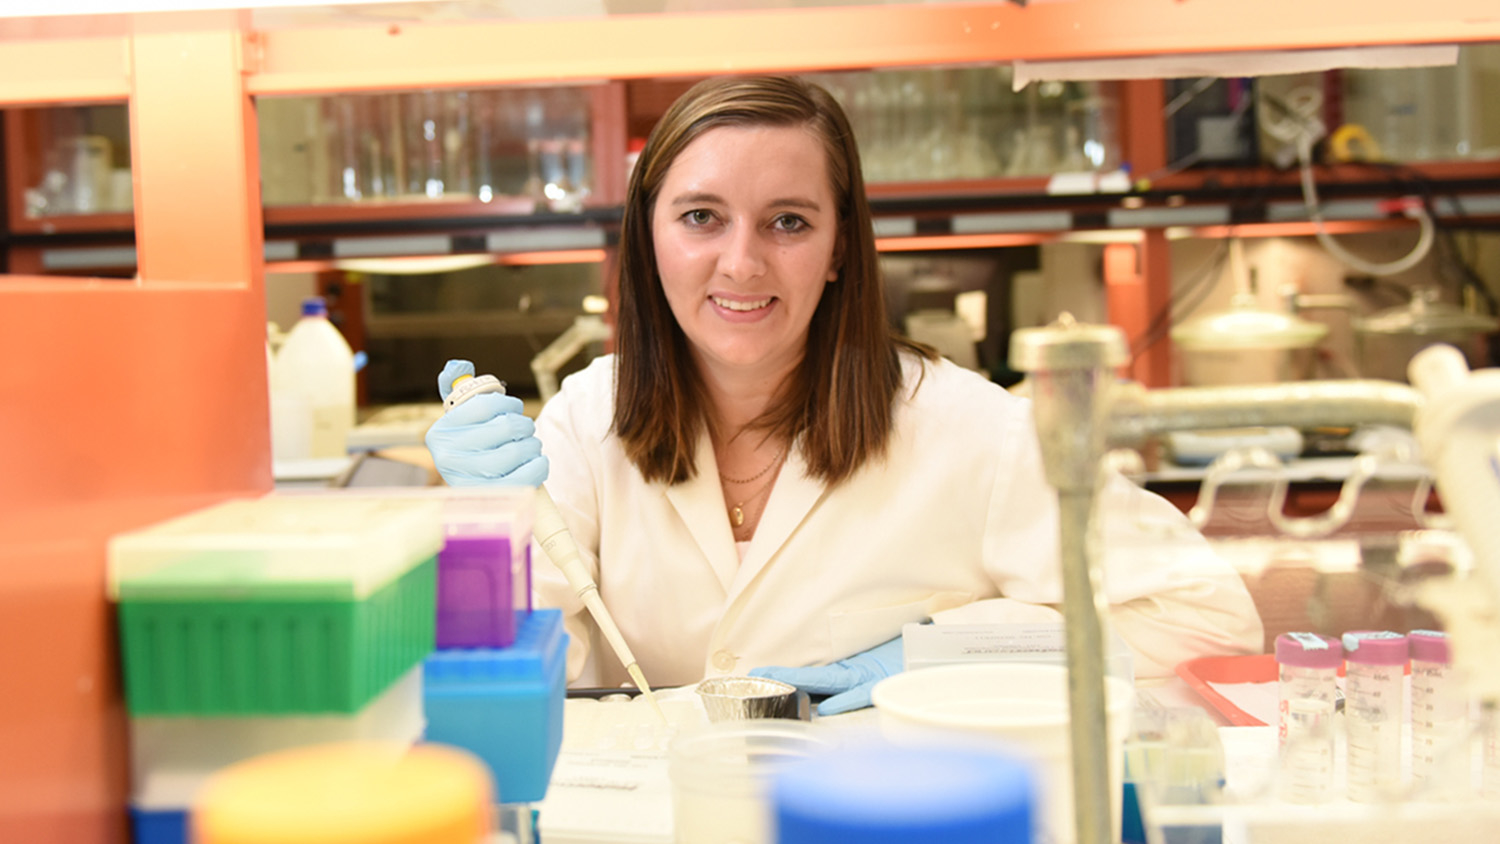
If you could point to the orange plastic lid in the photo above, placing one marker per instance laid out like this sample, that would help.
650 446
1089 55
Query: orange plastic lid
348 793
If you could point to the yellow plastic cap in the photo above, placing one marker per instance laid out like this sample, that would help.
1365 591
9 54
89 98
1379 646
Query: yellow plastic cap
348 793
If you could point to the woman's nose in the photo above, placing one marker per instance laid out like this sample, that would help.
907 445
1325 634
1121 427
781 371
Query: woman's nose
743 256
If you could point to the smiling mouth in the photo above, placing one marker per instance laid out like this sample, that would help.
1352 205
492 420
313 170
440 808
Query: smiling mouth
732 305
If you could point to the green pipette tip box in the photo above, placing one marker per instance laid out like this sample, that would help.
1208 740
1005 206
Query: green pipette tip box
277 605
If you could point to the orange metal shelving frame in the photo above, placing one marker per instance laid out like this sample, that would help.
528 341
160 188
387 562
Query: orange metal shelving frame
126 402
121 402
638 46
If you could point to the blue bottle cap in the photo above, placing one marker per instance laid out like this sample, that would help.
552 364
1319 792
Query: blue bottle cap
881 794
314 306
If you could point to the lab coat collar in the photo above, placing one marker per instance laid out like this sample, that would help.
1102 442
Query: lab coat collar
792 497
700 504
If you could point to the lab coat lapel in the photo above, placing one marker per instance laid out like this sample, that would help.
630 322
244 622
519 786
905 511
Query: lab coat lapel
792 498
700 504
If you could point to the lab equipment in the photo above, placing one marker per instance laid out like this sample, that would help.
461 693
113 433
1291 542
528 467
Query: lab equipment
928 645
742 698
482 597
172 758
1455 429
314 371
721 776
1023 707
504 705
158 826
348 793
480 579
585 330
552 534
1081 410
1439 718
1374 709
483 438
849 681
1307 689
882 794
1386 341
280 605
1174 756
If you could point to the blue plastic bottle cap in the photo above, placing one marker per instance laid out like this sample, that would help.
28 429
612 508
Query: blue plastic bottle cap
314 306
881 794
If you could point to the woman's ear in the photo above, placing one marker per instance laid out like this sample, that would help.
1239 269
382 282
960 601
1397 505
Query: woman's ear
836 264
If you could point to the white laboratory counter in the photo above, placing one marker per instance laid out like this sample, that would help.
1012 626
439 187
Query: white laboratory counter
612 784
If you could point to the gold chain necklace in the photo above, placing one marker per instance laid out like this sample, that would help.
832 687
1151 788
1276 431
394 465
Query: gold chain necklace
757 475
737 512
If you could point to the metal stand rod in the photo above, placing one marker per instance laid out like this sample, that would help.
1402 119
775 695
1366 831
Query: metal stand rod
1084 630
1071 379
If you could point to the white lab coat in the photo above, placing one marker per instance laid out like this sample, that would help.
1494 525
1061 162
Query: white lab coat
956 524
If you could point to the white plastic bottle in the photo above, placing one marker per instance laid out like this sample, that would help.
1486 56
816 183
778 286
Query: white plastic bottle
313 374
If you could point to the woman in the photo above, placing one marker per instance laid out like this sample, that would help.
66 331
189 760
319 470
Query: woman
765 474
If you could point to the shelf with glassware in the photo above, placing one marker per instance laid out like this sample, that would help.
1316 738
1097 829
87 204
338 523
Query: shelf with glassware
950 153
352 157
67 169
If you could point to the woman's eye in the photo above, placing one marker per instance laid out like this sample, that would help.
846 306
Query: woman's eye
698 217
790 223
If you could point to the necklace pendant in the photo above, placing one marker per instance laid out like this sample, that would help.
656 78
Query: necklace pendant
737 515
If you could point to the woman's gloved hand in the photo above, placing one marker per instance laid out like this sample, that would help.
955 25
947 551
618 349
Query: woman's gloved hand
485 440
849 681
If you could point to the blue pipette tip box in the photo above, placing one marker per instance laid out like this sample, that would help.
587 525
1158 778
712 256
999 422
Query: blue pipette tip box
505 705
158 826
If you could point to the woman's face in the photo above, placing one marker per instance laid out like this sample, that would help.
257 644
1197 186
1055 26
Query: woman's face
746 234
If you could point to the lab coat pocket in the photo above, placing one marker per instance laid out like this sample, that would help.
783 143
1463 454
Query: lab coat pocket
857 631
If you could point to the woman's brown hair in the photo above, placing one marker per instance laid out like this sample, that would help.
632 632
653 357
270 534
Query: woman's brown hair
839 401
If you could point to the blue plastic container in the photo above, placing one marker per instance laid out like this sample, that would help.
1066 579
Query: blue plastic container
879 794
158 826
505 705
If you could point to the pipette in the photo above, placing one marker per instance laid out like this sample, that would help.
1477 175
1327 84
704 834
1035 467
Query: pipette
552 534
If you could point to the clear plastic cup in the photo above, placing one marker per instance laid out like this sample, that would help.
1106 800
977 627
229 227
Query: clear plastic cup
721 776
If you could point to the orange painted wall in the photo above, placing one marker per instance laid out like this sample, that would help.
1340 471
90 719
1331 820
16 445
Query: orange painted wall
119 406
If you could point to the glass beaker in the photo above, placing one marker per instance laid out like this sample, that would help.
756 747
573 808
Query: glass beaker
86 161
422 113
1092 135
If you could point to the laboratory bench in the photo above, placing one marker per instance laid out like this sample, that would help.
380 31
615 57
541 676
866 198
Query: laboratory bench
152 285
612 781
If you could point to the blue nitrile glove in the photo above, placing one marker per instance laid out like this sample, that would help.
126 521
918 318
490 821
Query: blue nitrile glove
487 440
848 680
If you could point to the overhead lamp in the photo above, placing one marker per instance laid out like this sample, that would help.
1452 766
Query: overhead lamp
415 264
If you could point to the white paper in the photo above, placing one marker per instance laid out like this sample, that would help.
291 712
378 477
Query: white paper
607 796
